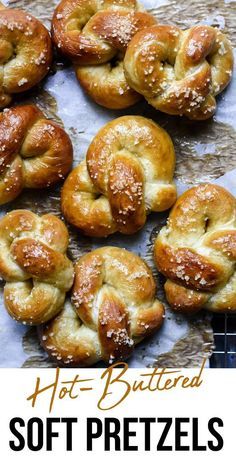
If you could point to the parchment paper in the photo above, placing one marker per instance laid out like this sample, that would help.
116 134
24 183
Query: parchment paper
205 152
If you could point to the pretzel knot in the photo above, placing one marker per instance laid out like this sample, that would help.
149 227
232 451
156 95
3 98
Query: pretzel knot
94 34
34 152
113 308
196 251
180 72
129 173
25 53
34 264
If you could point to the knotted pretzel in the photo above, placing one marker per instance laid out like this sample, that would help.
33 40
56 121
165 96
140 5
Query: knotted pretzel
94 34
196 251
34 264
180 72
34 152
127 174
113 308
25 53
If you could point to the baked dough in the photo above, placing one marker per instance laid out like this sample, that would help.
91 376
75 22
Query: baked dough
34 264
94 34
113 308
196 251
128 173
34 152
25 53
180 72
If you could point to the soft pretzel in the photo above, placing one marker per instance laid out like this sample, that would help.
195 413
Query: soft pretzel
25 53
196 251
180 72
34 152
113 308
94 34
127 174
34 264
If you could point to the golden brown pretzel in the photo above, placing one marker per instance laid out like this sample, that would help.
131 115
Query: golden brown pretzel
94 34
127 174
34 152
34 264
25 53
114 307
180 72
196 251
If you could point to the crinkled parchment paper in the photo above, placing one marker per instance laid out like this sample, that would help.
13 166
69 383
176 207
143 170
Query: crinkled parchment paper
205 152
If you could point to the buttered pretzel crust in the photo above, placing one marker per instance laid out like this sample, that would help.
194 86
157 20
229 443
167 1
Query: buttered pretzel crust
34 264
196 251
34 152
94 34
113 308
25 53
128 173
180 72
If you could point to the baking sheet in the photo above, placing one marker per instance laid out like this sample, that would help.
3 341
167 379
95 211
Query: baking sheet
205 151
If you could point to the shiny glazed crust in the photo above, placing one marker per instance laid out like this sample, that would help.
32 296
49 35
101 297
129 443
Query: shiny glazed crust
34 264
34 152
94 34
127 174
25 53
196 251
180 72
113 308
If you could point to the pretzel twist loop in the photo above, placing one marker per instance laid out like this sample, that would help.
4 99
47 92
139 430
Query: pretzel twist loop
129 173
34 264
196 251
180 72
25 53
113 308
34 152
94 34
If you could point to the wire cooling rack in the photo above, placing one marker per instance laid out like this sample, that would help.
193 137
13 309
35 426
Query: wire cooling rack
224 328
